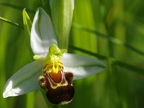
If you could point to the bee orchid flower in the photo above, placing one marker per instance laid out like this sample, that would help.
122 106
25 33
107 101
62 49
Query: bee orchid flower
53 69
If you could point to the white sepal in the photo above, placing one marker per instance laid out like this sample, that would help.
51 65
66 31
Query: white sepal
24 80
42 32
81 66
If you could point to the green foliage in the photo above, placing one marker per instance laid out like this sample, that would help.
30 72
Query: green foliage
108 30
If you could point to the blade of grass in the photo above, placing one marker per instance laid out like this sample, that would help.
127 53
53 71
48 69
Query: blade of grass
11 22
30 100
15 7
110 38
49 105
88 52
85 17
129 67
112 60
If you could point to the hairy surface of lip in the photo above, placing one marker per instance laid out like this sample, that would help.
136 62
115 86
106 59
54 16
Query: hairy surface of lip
58 87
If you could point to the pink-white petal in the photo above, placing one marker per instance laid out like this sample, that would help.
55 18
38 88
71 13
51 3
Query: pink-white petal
42 32
82 66
24 80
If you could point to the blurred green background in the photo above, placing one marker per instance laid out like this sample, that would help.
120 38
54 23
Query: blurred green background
109 30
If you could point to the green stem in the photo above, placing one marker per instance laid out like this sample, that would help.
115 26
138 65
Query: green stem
62 12
49 105
30 100
54 106
46 100
11 22
110 38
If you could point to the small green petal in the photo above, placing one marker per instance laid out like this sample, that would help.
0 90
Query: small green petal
27 27
81 66
53 49
23 81
27 22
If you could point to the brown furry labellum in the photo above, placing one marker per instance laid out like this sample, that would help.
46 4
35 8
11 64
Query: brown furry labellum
58 87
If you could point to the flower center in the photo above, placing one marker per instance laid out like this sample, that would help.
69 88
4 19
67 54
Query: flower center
56 82
52 66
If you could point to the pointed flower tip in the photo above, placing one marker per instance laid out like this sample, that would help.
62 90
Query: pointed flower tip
11 93
8 94
5 95
8 91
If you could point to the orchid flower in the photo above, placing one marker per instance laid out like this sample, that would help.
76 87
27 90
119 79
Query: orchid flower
53 68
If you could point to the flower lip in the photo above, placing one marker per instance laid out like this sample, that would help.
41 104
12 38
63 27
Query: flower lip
58 91
61 95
